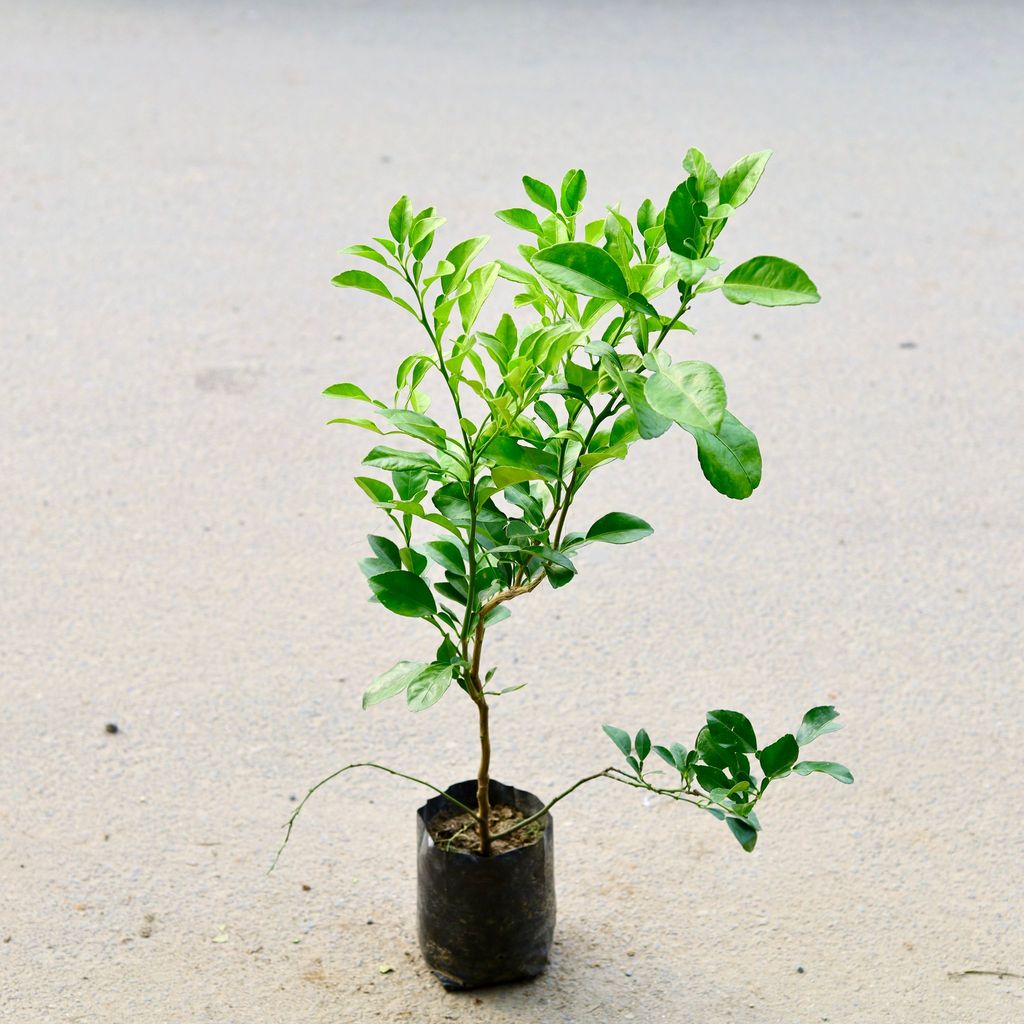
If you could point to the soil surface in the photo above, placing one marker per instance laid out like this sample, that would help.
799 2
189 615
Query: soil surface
458 831
179 530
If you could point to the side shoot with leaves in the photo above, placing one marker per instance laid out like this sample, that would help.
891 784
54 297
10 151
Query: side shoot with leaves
593 361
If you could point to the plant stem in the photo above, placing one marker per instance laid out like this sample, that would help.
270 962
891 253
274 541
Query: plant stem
359 764
603 774
483 778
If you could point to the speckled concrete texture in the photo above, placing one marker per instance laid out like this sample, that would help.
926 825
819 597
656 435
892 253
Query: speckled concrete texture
179 528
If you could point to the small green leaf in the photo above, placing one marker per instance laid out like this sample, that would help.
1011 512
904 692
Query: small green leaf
619 528
739 182
746 835
642 743
461 256
348 391
377 490
620 738
541 194
481 282
582 268
665 754
817 722
403 593
400 219
682 222
386 550
446 554
392 682
690 392
837 771
367 252
769 281
361 279
429 686
779 757
574 188
395 460
525 220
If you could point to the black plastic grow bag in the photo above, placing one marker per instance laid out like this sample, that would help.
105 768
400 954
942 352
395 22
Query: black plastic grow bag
485 920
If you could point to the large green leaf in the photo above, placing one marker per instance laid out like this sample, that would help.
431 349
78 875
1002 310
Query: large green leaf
730 457
392 682
403 593
400 219
732 729
446 554
619 528
769 281
429 686
741 179
837 771
690 392
745 833
481 281
649 423
391 458
574 188
460 257
817 722
506 451
363 280
779 757
582 268
525 220
415 424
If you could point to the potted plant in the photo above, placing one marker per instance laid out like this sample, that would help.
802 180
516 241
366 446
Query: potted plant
536 404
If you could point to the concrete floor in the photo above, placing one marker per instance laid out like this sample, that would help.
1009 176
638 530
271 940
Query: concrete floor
179 529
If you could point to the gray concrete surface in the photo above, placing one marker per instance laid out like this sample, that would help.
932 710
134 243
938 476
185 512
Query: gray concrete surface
179 529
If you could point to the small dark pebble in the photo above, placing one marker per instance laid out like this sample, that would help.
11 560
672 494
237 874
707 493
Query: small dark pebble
8 939
369 920
293 798
908 344
112 728
629 974
306 888
799 970
756 337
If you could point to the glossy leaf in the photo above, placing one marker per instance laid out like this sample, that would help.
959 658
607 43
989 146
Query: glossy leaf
446 554
391 683
400 219
682 222
525 220
619 528
746 835
620 738
769 281
481 281
582 268
642 744
362 280
837 771
540 193
739 182
403 593
691 393
574 188
396 460
779 757
729 457
375 489
429 686
731 729
817 722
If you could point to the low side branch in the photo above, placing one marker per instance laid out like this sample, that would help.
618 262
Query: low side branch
289 825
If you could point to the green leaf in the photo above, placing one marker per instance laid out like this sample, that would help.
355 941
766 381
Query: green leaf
386 550
377 490
620 738
366 251
446 554
649 423
415 424
403 593
731 729
357 422
682 222
348 391
361 279
424 227
665 754
817 722
481 281
525 220
746 835
582 268
777 758
541 194
619 528
574 188
837 771
642 743
429 686
690 392
739 182
730 457
461 256
400 219
769 281
391 458
391 683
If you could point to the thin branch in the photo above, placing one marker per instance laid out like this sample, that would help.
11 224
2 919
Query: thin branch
289 825
603 774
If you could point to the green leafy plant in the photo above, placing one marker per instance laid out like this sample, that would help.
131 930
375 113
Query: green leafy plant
537 404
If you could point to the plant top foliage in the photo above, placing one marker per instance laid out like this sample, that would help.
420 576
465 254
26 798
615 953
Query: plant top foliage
587 367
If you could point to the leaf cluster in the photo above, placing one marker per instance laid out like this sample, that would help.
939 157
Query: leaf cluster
717 773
